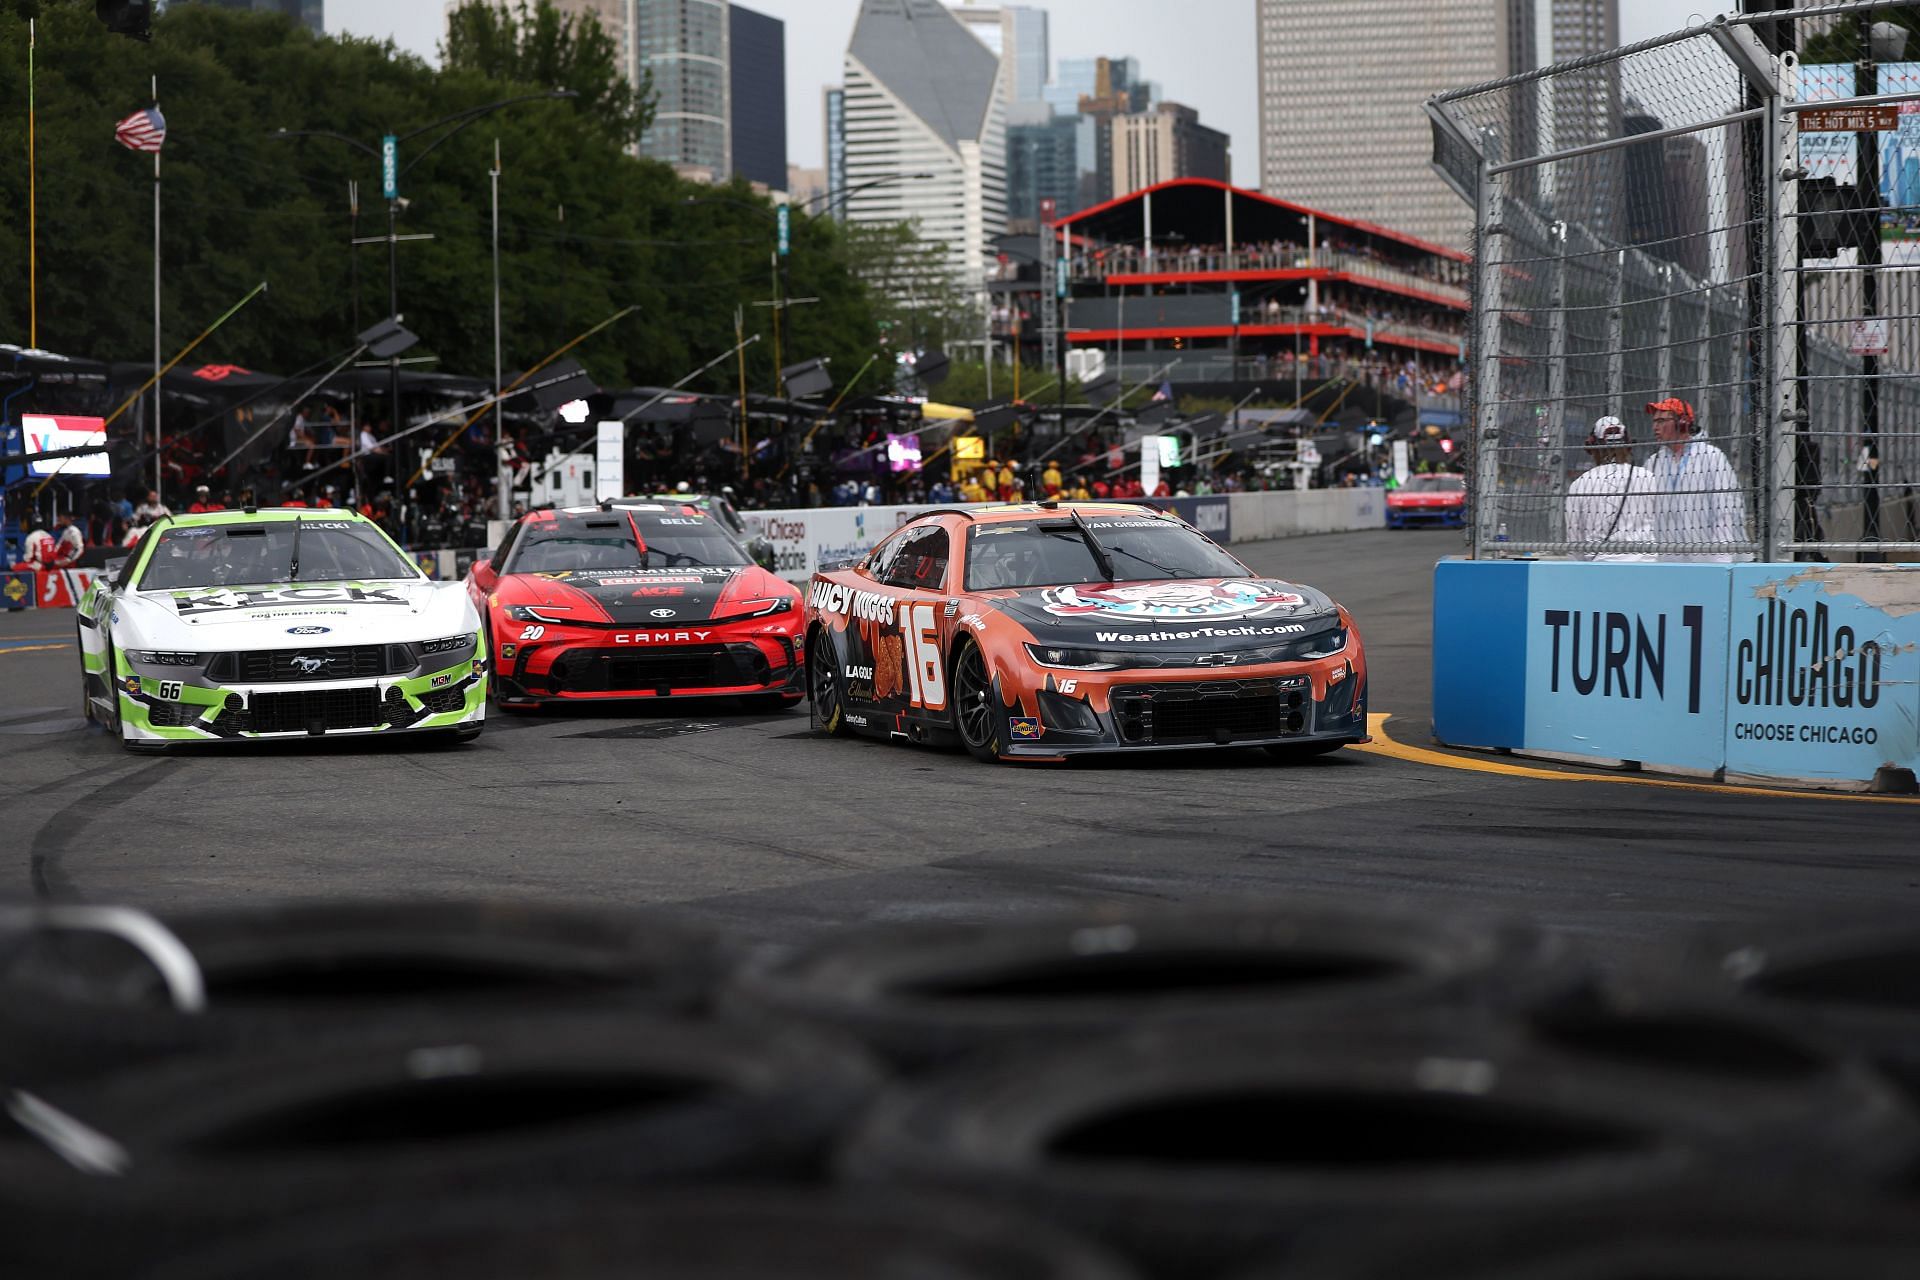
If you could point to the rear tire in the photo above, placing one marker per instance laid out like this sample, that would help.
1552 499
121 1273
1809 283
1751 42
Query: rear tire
827 710
976 716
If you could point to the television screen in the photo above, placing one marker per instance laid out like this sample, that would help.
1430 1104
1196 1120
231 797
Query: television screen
903 453
46 432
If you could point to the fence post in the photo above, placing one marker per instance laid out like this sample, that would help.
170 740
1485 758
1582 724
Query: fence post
1557 381
1489 297
1782 420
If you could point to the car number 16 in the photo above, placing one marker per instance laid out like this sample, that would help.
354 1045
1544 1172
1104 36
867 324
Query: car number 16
929 683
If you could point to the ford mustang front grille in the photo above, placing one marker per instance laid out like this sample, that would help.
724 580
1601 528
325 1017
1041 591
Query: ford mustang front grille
350 662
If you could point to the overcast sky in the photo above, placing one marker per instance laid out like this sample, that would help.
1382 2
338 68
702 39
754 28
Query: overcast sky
1201 52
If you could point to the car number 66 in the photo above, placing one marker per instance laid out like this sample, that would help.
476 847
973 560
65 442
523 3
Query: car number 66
169 691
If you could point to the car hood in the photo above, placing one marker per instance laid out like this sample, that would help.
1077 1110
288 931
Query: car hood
296 613
644 596
1198 613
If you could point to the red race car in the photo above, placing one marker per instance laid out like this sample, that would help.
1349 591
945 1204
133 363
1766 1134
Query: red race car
1434 498
635 600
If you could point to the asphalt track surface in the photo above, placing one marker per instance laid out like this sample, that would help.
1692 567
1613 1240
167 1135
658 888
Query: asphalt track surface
746 822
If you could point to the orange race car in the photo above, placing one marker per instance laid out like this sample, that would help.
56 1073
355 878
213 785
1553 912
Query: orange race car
1044 630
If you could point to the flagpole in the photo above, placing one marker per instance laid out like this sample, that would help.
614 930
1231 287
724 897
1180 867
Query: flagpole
157 466
33 207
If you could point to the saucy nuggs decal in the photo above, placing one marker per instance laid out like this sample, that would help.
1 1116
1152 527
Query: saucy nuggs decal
1170 601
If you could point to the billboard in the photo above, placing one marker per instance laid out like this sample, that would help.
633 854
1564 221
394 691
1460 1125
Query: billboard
903 452
46 432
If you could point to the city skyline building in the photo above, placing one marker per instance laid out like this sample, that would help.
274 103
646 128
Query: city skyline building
1016 31
1043 153
1168 142
1342 119
684 46
757 97
922 94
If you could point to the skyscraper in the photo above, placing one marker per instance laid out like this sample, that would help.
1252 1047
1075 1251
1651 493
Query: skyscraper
684 44
757 95
1042 164
924 95
1343 85
1011 31
1166 143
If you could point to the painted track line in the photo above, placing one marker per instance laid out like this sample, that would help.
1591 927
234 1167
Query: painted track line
1383 744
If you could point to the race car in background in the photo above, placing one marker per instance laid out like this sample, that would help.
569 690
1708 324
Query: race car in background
719 508
632 599
1429 498
1047 630
242 625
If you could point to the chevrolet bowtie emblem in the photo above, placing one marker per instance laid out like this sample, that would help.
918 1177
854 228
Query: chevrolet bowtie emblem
1216 660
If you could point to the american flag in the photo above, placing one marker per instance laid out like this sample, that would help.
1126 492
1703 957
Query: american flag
144 130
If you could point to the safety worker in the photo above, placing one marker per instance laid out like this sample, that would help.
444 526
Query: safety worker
1610 508
1698 501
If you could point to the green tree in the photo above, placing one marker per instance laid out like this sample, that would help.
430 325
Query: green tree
536 44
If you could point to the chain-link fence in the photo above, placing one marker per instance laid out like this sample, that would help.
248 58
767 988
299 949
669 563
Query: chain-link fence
1663 368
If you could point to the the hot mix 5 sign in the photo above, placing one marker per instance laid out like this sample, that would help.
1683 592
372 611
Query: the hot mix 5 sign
1781 670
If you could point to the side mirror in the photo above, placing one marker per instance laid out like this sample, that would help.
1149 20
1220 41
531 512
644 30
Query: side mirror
761 549
482 573
112 569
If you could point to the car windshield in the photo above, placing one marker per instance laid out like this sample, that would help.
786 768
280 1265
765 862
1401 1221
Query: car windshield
257 552
622 540
1435 484
1054 552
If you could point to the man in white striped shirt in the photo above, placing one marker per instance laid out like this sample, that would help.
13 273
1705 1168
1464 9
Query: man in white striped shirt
1698 500
1610 508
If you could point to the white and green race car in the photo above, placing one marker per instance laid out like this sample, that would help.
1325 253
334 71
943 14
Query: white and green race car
277 624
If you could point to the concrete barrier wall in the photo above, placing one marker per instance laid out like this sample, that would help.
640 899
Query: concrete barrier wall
1794 671
805 539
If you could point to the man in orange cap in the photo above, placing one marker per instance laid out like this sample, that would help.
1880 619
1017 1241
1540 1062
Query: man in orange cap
1698 500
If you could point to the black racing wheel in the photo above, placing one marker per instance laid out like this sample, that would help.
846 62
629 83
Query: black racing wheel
977 715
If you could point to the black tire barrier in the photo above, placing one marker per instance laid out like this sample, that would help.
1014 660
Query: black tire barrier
1196 1151
1805 1234
926 996
1856 983
501 1103
721 1233
74 1004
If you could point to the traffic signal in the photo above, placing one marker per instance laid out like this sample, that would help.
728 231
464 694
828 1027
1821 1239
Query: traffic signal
126 17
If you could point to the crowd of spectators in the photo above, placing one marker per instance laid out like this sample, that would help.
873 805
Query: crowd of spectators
1270 255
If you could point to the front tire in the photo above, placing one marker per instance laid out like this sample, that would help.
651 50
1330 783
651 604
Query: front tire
977 717
827 710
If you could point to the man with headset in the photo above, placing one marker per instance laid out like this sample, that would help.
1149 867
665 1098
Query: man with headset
1610 507
1698 502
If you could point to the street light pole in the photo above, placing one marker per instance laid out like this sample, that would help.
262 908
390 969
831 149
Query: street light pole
503 487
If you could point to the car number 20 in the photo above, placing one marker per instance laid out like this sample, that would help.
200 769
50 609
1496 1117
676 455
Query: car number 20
928 683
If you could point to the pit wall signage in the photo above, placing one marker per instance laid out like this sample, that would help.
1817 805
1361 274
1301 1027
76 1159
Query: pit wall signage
1771 670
